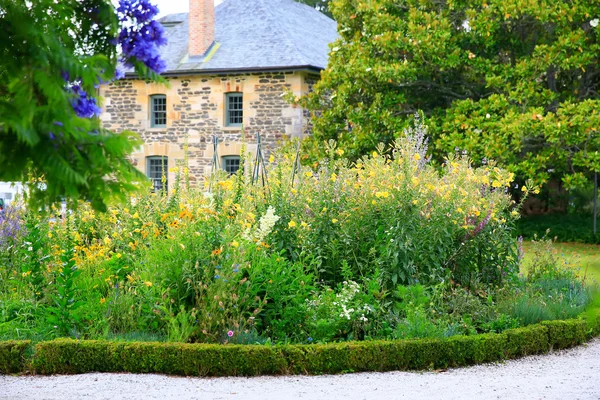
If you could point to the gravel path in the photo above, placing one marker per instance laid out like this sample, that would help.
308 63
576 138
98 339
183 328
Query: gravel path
571 374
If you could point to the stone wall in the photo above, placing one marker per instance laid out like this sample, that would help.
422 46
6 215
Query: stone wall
196 113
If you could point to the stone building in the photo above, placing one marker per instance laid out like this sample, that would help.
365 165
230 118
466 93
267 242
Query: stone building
228 68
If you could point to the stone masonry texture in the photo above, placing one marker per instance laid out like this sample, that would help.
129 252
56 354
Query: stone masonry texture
196 114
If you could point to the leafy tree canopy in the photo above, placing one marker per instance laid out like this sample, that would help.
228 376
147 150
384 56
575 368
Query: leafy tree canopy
53 54
512 80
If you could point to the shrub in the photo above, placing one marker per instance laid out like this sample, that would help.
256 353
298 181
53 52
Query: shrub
13 356
397 214
563 227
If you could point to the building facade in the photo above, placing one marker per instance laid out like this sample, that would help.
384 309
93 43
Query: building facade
229 70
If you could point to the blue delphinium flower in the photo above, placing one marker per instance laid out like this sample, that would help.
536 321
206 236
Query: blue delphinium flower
217 276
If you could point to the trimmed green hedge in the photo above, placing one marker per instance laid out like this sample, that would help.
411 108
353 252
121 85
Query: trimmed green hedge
68 356
13 356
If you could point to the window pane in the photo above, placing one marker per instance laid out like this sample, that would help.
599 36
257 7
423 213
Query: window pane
158 111
235 106
156 167
231 164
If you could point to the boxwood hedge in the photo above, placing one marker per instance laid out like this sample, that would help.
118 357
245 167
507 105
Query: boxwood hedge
68 356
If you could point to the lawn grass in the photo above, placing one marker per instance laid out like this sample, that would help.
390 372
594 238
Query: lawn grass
584 257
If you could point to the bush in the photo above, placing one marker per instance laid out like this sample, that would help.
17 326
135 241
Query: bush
237 264
71 356
564 227
13 356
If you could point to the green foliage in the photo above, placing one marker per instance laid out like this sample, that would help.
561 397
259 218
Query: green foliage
42 140
63 313
397 214
514 81
388 248
72 357
564 227
13 356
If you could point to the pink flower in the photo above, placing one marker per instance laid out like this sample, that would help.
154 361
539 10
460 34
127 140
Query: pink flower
230 333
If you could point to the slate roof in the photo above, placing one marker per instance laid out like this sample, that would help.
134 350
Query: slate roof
254 35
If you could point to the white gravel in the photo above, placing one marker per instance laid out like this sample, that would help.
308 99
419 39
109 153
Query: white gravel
571 374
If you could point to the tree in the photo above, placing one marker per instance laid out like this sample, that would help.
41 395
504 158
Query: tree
512 80
53 56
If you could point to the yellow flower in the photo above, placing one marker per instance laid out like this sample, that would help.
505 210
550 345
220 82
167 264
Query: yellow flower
334 220
119 255
333 177
374 154
308 174
514 213
340 152
235 244
271 159
102 300
49 235
417 156
496 183
291 224
303 224
379 195
107 241
415 181
148 283
136 215
524 189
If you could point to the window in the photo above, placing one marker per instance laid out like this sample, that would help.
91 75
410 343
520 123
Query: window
231 164
234 112
158 111
157 167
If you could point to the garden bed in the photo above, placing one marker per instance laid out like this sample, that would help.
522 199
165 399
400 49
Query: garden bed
68 356
386 264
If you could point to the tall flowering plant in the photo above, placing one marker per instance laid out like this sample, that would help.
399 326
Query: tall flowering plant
394 211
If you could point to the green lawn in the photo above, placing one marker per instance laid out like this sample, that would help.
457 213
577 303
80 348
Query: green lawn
585 257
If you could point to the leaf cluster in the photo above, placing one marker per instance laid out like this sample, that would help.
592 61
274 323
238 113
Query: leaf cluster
516 81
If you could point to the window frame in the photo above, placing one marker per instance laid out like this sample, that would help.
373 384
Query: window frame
154 112
224 160
228 119
157 183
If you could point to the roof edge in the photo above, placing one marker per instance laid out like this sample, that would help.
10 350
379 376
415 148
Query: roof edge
230 71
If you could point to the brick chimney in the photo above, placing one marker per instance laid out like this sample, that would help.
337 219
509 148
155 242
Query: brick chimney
201 21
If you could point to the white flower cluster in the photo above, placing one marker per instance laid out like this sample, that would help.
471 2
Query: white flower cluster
344 304
265 225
